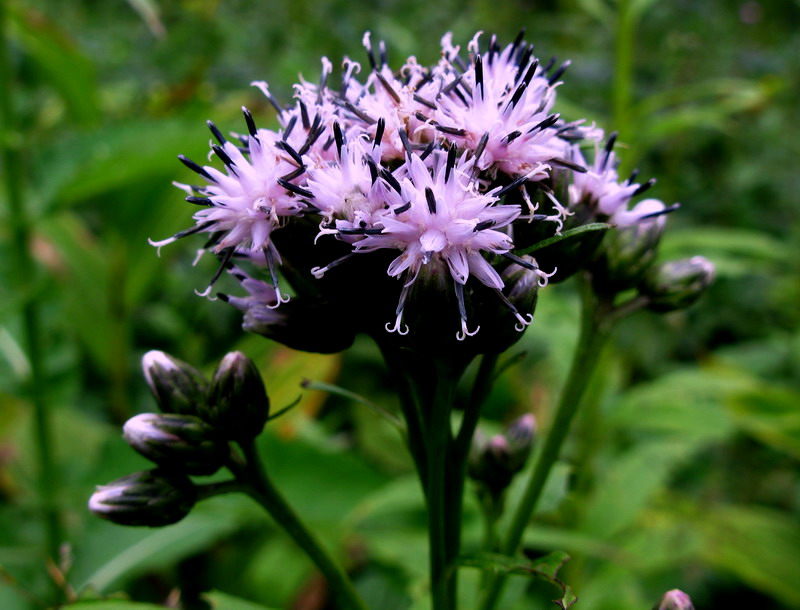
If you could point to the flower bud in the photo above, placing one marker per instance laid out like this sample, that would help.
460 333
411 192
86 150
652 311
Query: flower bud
675 600
627 252
494 462
238 405
677 284
153 498
177 386
178 442
520 436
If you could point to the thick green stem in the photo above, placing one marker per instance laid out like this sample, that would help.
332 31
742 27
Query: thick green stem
596 322
10 144
440 522
263 490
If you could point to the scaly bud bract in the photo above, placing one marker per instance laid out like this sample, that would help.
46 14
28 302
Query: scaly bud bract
238 405
177 442
177 386
152 498
520 436
628 251
677 284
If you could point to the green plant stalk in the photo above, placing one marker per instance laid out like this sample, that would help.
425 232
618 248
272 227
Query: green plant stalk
10 142
623 67
263 490
596 324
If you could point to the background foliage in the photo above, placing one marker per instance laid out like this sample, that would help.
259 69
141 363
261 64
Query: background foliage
684 468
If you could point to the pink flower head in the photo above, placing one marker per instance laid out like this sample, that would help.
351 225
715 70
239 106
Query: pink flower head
246 203
599 189
439 220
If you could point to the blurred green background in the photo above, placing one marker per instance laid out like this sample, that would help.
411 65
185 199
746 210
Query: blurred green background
683 471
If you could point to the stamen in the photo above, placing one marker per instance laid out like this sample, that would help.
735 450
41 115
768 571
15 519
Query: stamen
339 137
224 262
318 272
389 89
612 138
479 74
223 156
195 168
453 131
398 327
199 200
462 311
424 102
670 209
270 259
486 224
643 187
251 124
389 177
481 145
429 197
216 132
299 190
304 114
428 150
569 165
451 162
548 122
559 73
284 145
360 113
524 321
287 131
180 234
379 132
265 90
403 208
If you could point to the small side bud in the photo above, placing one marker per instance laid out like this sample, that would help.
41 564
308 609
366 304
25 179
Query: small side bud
520 436
675 600
238 405
177 386
153 498
677 284
178 442
494 461
627 252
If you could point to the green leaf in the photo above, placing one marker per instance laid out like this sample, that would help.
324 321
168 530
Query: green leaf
65 68
223 601
772 415
758 545
546 568
112 604
570 235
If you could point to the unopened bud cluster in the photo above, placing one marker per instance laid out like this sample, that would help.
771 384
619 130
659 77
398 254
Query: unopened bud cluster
627 257
495 460
190 437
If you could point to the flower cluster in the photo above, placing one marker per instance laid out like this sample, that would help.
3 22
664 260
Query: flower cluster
444 169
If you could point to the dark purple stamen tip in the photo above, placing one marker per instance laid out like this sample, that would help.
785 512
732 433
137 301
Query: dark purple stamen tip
379 132
216 132
451 162
251 124
644 187
298 190
199 200
429 197
195 167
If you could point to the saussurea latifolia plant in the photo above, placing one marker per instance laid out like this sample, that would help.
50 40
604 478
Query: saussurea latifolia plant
425 207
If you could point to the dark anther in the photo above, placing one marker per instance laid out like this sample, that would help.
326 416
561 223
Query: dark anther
389 177
431 200
294 174
451 162
251 124
519 261
284 145
479 74
453 131
486 224
512 136
406 144
224 157
428 150
389 89
304 114
612 138
287 131
670 209
373 167
402 208
452 85
424 102
299 190
549 65
644 187
225 261
558 73
339 137
216 132
213 239
511 186
312 137
195 168
548 122
531 71
199 200
633 176
481 145
360 113
379 132
569 165
518 39
518 94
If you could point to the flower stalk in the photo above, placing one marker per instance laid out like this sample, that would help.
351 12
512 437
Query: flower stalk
597 320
